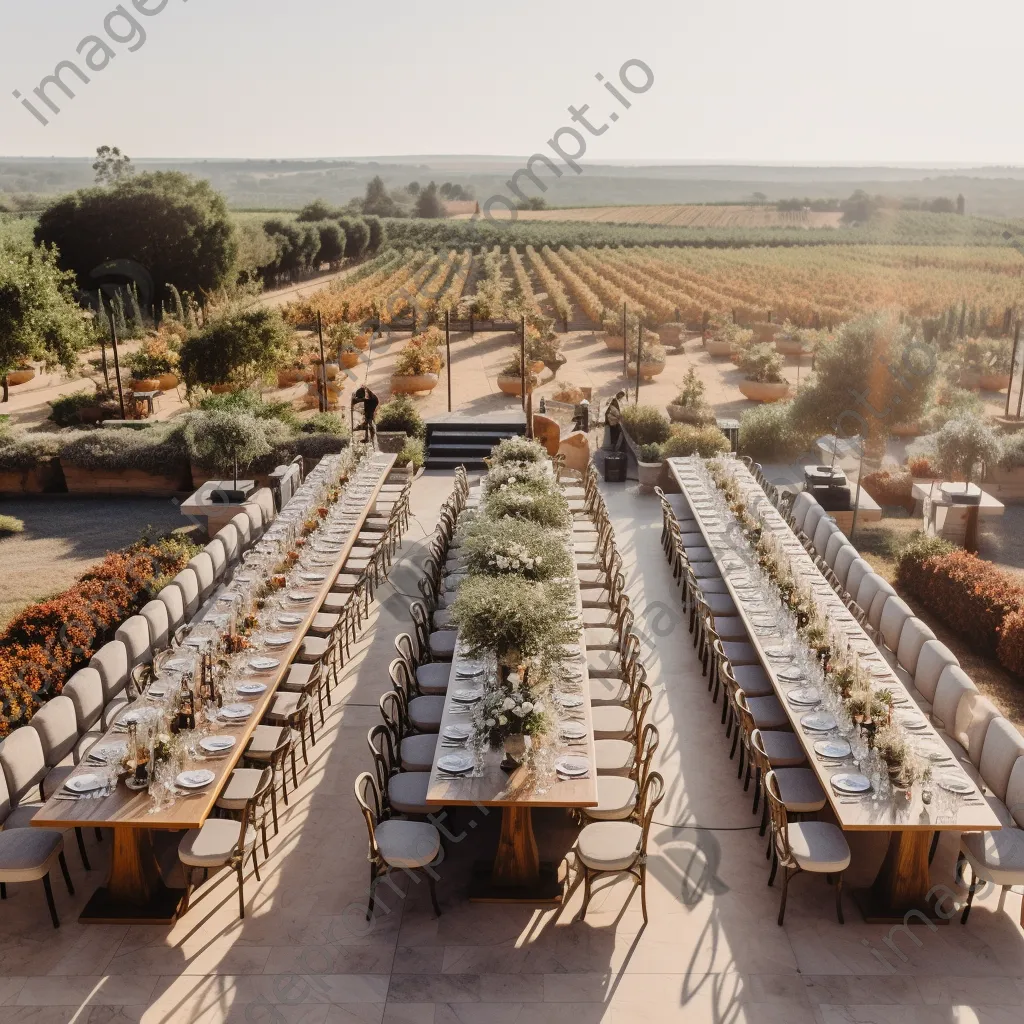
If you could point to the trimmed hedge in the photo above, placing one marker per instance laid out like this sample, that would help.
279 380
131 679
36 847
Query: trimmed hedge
971 596
891 487
48 642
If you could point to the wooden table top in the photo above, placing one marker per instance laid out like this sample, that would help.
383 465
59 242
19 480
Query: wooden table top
542 787
127 809
852 813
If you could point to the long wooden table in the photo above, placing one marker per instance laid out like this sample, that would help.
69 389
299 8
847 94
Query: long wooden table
517 873
903 884
135 892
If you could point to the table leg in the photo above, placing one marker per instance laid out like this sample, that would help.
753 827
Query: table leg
517 874
135 893
902 885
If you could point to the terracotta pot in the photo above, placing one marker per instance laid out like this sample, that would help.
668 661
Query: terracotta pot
168 381
223 389
718 349
411 384
349 359
647 370
649 474
16 377
287 377
362 342
613 342
759 392
684 414
905 429
788 347
514 385
970 380
146 384
995 381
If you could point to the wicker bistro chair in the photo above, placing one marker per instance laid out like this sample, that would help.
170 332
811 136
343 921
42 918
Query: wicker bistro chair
615 847
617 795
224 842
431 677
401 792
421 713
817 846
396 845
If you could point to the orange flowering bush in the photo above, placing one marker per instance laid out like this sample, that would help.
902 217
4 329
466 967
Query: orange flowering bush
890 487
50 641
970 595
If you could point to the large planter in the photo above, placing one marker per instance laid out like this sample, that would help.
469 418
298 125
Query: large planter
16 377
673 335
905 429
168 381
133 482
789 347
290 376
649 473
970 380
648 370
412 383
765 331
514 385
756 391
199 475
362 342
684 414
146 384
613 342
349 359
41 479
718 349
995 381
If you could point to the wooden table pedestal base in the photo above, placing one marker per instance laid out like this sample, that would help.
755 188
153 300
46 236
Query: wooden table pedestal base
517 875
900 892
135 893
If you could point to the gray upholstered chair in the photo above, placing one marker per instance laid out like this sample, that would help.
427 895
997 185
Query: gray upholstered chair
85 690
134 633
934 658
156 614
188 583
206 574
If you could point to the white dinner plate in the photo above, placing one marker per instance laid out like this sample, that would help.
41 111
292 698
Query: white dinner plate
467 696
455 764
818 721
289 618
235 712
263 664
572 767
457 732
87 783
777 653
569 700
953 784
572 731
216 744
833 749
804 696
109 753
251 689
278 639
128 717
790 675
300 596
196 778
469 670
313 577
850 782
177 665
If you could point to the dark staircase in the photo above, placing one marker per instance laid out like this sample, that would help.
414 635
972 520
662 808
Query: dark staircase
467 441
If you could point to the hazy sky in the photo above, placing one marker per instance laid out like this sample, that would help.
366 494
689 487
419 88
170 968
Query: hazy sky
793 80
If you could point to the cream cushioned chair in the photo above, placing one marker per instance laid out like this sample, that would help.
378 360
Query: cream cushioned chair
934 658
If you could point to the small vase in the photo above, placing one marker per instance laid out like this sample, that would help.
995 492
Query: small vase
515 746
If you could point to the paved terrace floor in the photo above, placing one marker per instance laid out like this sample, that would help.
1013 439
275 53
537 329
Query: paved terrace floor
711 953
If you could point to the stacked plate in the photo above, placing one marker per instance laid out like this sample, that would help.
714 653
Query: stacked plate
572 732
833 749
213 746
570 767
86 783
804 696
251 689
278 639
455 765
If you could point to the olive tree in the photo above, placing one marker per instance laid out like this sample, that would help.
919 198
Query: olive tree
242 346
963 444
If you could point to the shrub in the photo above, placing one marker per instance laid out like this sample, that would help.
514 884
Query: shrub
685 439
768 432
240 347
518 450
252 402
312 447
64 411
421 354
1010 651
153 358
970 595
890 486
1013 452
952 403
10 525
152 450
568 393
651 453
920 466
217 440
514 502
49 641
412 453
962 444
761 363
400 415
325 423
26 451
645 424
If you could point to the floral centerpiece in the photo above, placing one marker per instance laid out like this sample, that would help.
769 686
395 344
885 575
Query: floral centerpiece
518 450
511 546
532 476
549 509
512 710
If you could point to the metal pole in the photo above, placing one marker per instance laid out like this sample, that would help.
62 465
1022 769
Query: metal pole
323 405
103 345
1013 370
522 362
856 500
639 346
448 352
625 354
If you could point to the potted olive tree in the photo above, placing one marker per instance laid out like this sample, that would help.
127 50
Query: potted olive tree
651 357
959 449
762 374
510 376
649 458
419 363
690 405
723 337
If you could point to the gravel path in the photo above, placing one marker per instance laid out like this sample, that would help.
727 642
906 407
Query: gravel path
63 537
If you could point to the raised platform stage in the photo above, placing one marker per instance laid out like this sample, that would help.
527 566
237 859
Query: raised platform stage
461 440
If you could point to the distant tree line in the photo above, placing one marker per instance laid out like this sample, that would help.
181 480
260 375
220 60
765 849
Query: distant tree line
860 206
